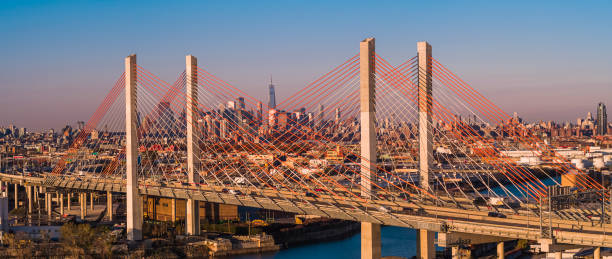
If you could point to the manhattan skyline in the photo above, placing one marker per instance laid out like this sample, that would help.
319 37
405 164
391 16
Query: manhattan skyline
76 63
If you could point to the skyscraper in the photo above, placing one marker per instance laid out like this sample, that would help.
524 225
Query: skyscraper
241 104
602 119
259 113
272 102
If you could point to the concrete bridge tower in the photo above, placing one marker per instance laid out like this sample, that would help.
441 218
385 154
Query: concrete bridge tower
133 203
425 238
193 208
370 232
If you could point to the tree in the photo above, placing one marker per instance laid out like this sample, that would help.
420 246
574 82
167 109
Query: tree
84 240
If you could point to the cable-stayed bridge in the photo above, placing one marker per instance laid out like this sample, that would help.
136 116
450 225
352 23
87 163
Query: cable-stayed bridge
409 145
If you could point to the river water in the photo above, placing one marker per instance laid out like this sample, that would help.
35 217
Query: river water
395 241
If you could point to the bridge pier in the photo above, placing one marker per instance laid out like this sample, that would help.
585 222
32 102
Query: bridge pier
425 244
455 252
61 204
501 253
597 253
193 208
370 232
173 210
370 240
46 201
91 201
83 205
133 200
109 205
29 191
16 196
47 205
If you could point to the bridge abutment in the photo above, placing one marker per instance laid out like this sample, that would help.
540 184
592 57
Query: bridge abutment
370 232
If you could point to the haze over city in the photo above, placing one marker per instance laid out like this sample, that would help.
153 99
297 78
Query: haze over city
61 57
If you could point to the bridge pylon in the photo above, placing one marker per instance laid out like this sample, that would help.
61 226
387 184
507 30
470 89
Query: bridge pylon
370 232
193 206
133 203
425 238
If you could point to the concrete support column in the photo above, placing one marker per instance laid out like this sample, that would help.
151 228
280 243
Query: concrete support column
61 204
597 253
173 210
500 250
69 201
455 252
82 206
48 199
558 255
191 69
133 203
35 194
91 201
16 196
425 244
370 240
370 232
29 192
109 205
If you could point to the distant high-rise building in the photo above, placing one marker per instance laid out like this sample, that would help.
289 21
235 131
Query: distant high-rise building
272 102
321 115
241 104
231 105
80 125
259 113
338 116
602 119
22 132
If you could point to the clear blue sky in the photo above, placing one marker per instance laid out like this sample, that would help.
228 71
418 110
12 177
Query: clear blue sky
547 60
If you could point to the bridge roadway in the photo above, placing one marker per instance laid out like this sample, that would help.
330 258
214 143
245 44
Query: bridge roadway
412 213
